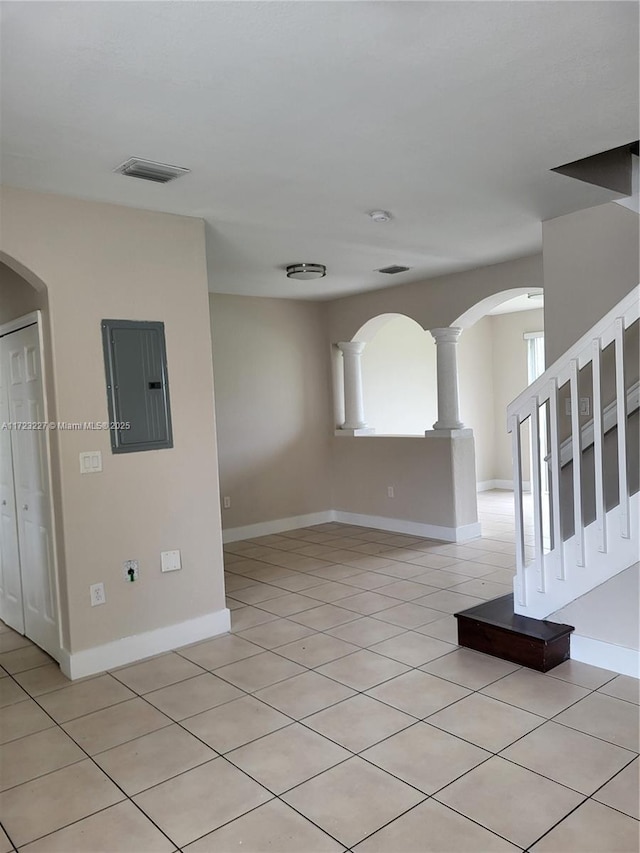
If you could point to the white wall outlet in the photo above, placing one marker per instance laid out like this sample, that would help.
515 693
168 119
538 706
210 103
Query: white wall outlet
390 492
131 570
91 462
226 502
170 561
96 591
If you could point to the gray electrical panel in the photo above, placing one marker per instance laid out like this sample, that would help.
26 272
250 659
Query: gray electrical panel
135 360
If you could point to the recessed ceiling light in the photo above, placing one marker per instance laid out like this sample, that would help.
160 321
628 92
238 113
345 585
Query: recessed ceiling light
380 215
150 170
306 272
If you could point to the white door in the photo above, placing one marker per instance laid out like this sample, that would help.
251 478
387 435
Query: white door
10 580
21 354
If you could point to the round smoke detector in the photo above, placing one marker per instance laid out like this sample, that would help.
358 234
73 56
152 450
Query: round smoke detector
380 215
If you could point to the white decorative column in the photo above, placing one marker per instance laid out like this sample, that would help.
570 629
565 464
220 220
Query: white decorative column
354 423
447 372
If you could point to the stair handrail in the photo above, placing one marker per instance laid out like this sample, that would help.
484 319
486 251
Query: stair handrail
587 349
628 305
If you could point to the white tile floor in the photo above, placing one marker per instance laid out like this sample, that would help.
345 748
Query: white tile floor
338 715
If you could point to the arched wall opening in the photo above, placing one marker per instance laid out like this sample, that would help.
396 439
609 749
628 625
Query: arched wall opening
516 296
399 375
23 293
493 370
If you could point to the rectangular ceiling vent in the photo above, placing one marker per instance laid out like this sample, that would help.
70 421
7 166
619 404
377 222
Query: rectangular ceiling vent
149 170
394 270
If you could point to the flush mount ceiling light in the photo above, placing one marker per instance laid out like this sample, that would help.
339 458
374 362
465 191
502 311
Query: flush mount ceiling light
306 272
380 215
393 270
149 170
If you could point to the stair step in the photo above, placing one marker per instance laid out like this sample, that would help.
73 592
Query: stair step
493 628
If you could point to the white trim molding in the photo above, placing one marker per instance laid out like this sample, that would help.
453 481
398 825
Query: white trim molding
140 646
606 655
393 525
415 528
277 525
507 485
20 323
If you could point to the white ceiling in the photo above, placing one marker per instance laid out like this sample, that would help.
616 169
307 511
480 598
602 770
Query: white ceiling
296 118
524 302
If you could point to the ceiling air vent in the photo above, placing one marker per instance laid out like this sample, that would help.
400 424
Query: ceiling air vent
149 170
394 270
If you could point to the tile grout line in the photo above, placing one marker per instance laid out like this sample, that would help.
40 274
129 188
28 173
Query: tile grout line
293 721
125 795
411 725
324 632
416 720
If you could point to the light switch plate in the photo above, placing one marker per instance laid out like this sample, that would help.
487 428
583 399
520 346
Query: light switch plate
584 403
170 561
91 462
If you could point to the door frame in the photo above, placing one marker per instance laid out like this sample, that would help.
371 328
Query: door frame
31 319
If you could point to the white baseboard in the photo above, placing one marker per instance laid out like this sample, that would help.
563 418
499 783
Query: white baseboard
131 649
606 655
415 528
393 525
278 525
488 485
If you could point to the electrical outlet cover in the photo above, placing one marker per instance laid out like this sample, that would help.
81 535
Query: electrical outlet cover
97 593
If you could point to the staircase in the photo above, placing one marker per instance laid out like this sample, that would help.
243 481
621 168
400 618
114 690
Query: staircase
583 526
564 567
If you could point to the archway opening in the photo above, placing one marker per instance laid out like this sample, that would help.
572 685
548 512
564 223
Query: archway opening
398 375
30 550
497 360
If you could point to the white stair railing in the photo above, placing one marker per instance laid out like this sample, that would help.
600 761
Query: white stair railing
562 569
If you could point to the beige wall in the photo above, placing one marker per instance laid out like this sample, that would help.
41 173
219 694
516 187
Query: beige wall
273 407
510 379
277 454
476 372
434 303
421 471
590 263
17 298
99 261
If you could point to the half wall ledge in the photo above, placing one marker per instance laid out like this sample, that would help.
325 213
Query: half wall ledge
448 433
391 481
